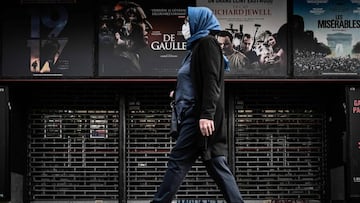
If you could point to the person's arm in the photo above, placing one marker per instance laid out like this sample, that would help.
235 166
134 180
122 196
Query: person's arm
210 67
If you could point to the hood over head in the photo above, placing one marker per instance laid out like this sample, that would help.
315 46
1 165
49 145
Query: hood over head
201 21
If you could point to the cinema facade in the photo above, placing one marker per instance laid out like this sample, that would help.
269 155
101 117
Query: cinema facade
79 123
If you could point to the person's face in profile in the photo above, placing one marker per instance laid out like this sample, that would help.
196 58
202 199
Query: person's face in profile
139 31
134 26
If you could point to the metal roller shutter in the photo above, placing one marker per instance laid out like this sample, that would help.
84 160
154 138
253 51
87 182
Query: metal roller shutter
277 152
279 143
73 144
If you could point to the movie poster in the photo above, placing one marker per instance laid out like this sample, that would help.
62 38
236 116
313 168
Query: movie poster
48 39
259 35
353 142
326 38
141 39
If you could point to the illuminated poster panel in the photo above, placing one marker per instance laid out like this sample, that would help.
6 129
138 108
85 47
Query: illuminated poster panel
326 38
141 39
48 39
259 31
353 143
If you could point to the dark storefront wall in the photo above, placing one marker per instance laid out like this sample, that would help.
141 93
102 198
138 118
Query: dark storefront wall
279 149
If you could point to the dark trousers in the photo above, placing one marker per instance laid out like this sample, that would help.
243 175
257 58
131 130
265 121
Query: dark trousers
181 159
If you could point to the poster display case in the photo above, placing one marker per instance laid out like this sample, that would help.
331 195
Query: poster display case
326 38
259 32
48 39
140 39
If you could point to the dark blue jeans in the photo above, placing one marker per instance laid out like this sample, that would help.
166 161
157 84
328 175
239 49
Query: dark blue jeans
181 159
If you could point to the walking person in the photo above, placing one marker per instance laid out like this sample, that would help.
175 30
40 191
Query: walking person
199 98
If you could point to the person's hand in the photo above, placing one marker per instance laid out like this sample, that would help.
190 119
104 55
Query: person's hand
206 127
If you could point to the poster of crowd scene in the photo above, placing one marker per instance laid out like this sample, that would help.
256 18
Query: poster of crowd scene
138 38
254 36
326 38
47 39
